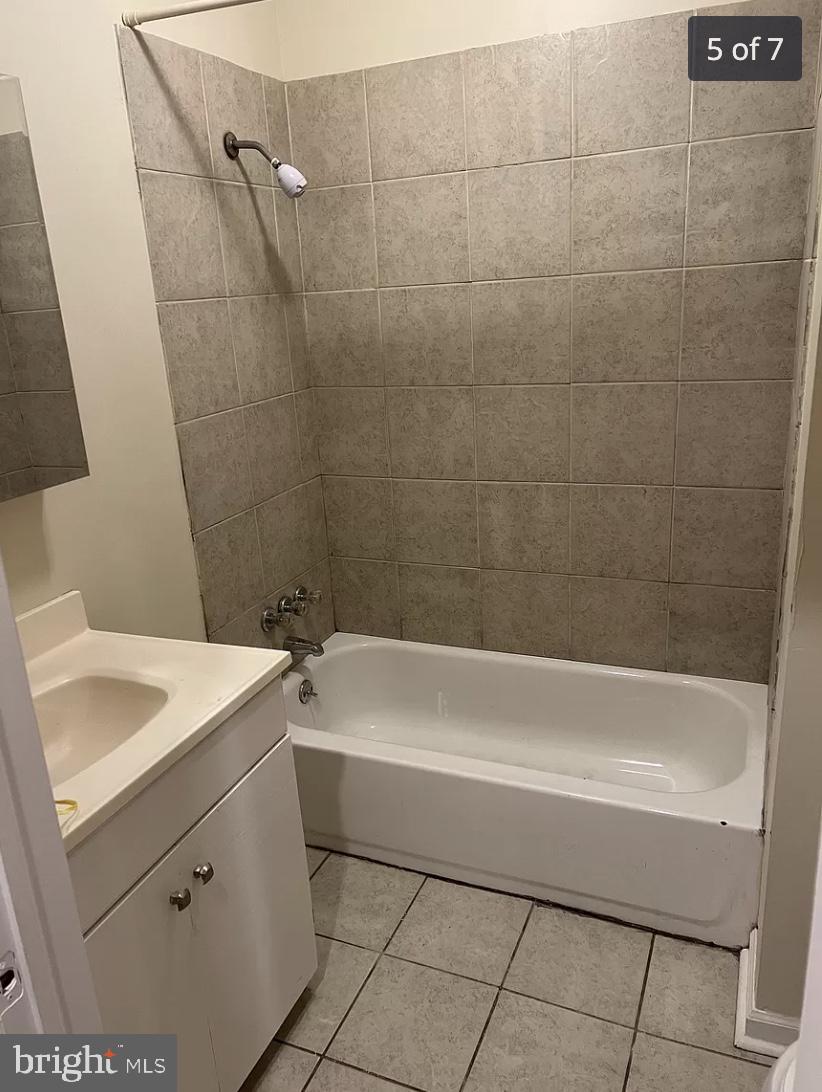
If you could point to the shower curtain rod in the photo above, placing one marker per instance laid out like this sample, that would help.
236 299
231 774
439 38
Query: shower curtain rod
135 18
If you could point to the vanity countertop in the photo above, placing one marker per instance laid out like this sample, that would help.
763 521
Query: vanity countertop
116 710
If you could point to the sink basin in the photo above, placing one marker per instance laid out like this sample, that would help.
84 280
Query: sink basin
85 718
116 710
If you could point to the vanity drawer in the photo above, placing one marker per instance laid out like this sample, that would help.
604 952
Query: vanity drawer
114 857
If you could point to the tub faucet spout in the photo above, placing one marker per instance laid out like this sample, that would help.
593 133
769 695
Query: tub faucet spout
299 648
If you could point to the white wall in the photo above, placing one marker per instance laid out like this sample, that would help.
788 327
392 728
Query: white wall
121 536
322 36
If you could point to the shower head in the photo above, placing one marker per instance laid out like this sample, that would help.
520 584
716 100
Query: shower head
291 182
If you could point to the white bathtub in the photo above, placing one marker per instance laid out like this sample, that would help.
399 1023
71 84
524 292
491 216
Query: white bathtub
634 794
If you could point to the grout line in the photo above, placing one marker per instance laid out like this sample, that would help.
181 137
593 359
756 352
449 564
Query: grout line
481 1039
661 270
369 1073
345 1015
639 1012
380 955
552 159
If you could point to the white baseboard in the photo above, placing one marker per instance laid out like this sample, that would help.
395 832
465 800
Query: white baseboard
758 1030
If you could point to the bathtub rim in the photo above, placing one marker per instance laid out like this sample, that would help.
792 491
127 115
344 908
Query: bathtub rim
738 804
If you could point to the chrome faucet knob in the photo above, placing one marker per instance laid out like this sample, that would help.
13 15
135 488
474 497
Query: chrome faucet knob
295 606
271 618
303 595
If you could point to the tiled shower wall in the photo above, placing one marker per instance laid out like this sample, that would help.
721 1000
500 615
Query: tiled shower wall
41 438
551 291
225 261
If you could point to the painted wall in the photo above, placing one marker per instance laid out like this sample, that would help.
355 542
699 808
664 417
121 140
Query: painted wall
325 36
121 536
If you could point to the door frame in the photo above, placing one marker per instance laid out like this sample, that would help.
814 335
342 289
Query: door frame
38 913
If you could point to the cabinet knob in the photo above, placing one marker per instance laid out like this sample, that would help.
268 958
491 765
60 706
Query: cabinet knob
204 872
180 899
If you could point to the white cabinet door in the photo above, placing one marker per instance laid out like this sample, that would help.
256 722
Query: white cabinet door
142 958
253 927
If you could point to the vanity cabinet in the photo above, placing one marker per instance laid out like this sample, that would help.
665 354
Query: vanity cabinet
225 965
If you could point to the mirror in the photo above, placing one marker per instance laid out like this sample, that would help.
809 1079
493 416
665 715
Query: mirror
41 440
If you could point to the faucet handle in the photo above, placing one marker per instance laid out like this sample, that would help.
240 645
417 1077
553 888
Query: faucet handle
289 606
271 618
303 595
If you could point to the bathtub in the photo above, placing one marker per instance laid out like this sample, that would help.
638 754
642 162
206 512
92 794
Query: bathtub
628 793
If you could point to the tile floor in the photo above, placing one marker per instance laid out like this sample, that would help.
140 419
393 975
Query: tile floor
437 987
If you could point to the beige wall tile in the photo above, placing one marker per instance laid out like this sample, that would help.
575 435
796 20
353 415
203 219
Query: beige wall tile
726 536
366 597
440 605
229 565
260 336
214 458
19 195
6 373
626 326
329 130
519 219
525 613
720 632
426 335
522 433
621 531
739 321
199 357
517 101
623 433
26 276
431 431
631 87
435 522
522 331
297 340
629 210
38 350
523 525
359 516
619 621
288 268
235 103
337 238
248 230
733 434
344 339
732 214
422 230
53 430
14 451
352 430
415 116
183 236
292 533
273 446
308 431
166 105
276 109
750 107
